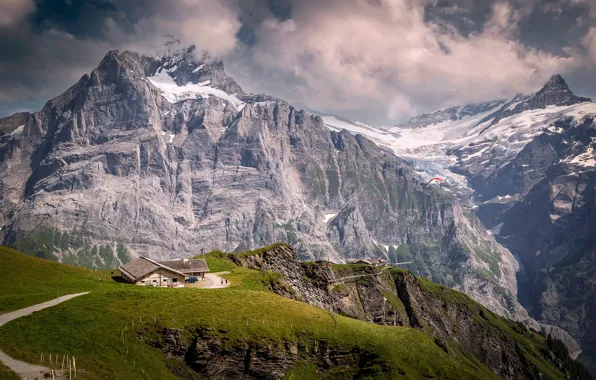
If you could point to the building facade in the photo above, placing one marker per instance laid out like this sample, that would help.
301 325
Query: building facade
147 272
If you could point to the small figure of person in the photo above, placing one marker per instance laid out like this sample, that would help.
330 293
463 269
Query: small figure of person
226 281
222 281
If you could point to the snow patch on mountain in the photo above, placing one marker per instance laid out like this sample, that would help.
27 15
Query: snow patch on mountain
328 217
175 94
585 159
379 136
198 68
504 140
18 131
475 138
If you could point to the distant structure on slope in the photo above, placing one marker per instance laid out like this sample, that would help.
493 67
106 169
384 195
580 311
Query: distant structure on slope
147 272
369 261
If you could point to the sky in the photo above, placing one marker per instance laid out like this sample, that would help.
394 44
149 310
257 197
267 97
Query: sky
376 61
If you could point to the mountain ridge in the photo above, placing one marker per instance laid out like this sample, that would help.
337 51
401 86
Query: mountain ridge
526 171
123 163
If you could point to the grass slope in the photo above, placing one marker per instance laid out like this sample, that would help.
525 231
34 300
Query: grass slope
26 280
240 277
101 329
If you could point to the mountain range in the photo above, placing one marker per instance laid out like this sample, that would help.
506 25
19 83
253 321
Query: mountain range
526 168
168 157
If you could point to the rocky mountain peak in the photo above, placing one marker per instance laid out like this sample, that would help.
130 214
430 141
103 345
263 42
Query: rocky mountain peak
185 65
556 92
556 82
115 66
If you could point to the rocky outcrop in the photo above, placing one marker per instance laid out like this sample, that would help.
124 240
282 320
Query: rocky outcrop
280 258
9 126
396 297
449 317
187 65
216 357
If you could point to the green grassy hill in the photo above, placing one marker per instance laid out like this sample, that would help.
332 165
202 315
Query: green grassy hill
26 280
122 331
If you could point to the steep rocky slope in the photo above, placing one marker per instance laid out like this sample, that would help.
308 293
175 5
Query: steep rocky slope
552 230
525 168
540 203
167 156
395 297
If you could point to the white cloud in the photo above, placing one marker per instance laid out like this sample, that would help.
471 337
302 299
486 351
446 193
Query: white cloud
209 24
388 58
13 12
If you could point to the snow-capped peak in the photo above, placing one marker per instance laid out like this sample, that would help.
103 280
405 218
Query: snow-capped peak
187 66
175 93
452 114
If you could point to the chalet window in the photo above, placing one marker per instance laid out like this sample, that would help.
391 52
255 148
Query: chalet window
154 280
174 280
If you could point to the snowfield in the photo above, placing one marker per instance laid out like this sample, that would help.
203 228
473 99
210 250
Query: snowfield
175 94
476 144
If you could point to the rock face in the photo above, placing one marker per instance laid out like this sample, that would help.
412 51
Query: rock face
558 251
525 168
215 357
186 65
540 203
395 297
166 156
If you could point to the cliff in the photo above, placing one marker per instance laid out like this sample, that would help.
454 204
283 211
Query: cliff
395 297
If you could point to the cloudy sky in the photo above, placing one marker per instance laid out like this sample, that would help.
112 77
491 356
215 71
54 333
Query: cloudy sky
378 61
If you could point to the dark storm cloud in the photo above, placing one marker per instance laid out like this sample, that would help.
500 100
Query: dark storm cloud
373 60
80 18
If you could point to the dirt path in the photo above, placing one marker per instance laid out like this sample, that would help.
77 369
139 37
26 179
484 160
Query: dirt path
26 370
212 281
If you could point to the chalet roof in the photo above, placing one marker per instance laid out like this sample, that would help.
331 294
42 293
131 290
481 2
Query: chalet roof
187 266
141 267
